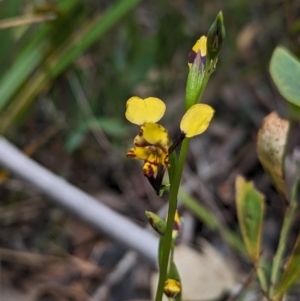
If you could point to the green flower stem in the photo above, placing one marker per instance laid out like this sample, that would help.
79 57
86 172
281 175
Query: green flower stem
170 221
287 222
174 189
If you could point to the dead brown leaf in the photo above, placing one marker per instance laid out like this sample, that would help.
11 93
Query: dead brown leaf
270 146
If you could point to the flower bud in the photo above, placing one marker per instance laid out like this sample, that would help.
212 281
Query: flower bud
172 288
196 62
215 37
156 222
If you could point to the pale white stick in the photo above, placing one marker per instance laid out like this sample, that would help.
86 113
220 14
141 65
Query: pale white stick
77 202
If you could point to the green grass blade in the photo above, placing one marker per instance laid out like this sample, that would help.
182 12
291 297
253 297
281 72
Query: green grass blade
60 59
8 9
29 59
292 271
212 222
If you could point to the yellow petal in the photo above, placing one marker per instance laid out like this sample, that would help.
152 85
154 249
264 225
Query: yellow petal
199 46
196 120
140 111
140 153
153 134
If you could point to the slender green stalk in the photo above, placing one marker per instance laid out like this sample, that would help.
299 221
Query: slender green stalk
170 221
287 222
174 189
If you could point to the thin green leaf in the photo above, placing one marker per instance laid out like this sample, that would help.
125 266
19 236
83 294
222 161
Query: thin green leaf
174 274
211 221
292 271
250 211
9 9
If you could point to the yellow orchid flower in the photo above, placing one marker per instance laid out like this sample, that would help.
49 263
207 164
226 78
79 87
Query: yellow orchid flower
152 142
